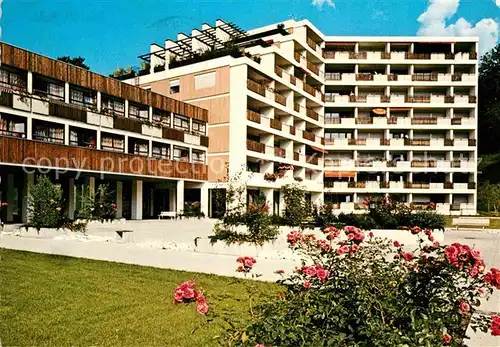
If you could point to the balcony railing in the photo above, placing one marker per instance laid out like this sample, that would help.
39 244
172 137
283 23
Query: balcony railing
418 99
312 114
278 71
296 107
275 124
424 120
255 146
312 159
256 87
364 77
280 99
279 152
253 116
418 142
312 68
423 163
360 55
308 135
420 77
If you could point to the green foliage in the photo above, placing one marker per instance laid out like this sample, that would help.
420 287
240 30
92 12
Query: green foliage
382 214
371 294
77 61
489 102
297 208
192 209
99 206
488 197
45 205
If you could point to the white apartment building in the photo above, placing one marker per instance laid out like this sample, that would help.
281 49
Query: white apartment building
347 117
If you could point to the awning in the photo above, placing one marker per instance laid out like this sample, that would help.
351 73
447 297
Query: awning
379 111
340 174
319 149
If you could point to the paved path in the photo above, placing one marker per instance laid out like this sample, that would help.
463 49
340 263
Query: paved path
170 244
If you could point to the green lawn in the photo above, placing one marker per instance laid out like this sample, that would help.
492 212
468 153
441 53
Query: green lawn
62 301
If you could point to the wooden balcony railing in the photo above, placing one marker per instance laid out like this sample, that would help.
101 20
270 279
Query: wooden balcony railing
280 99
27 152
312 68
130 124
417 56
296 55
67 111
278 71
6 99
256 87
420 77
456 121
292 130
293 80
307 88
364 120
392 120
417 142
253 116
329 54
449 99
279 152
360 55
356 184
312 114
357 142
424 120
204 141
173 134
311 44
333 76
364 77
385 55
255 146
423 163
412 185
418 99
296 107
308 135
275 124
296 156
358 98
385 98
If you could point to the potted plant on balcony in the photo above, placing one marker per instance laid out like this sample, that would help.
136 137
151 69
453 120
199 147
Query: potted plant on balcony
271 177
145 68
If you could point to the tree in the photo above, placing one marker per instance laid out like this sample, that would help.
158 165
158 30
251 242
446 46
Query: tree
45 204
489 101
297 208
77 61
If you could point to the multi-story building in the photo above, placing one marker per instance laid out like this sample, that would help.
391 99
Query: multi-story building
83 129
348 117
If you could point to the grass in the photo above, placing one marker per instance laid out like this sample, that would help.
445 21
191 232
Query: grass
50 300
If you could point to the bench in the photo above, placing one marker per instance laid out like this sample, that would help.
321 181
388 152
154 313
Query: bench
471 221
168 214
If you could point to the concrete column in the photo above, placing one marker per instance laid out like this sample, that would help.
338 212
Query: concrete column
150 148
204 199
172 199
71 198
136 199
125 144
179 196
282 204
98 140
29 84
119 199
29 182
99 102
126 108
10 197
90 182
66 92
66 134
29 128
150 113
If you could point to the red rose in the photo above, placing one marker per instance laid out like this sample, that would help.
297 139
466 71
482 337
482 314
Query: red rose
354 248
446 339
202 306
495 325
322 274
408 256
307 284
342 250
396 244
279 272
249 263
415 230
370 234
310 271
464 306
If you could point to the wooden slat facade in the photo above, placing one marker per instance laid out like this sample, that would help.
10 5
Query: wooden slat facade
26 152
36 63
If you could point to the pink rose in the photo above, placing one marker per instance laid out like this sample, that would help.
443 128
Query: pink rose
342 250
464 306
202 306
408 256
354 248
446 339
322 274
310 271
188 293
415 230
249 263
307 284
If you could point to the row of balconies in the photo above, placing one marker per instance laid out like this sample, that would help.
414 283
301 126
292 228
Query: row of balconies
282 153
466 209
416 77
402 142
398 185
260 89
280 126
107 120
368 55
401 98
399 164
445 121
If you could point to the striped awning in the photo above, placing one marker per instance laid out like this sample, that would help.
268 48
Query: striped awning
319 149
340 174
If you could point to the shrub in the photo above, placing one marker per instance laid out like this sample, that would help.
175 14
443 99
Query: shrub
192 209
297 208
45 205
99 206
357 290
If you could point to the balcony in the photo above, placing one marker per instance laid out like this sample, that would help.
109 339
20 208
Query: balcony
253 116
255 146
26 152
275 124
423 163
279 152
256 87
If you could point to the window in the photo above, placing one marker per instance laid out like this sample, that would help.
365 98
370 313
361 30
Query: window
139 148
199 127
82 138
12 126
181 153
48 132
114 106
181 123
134 111
205 80
161 151
12 79
162 118
199 156
55 91
112 143
79 97
175 87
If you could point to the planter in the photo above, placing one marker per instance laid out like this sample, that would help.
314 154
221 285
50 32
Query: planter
191 139
149 130
39 106
100 119
21 103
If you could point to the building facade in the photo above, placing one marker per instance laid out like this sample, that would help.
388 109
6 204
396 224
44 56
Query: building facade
82 130
347 117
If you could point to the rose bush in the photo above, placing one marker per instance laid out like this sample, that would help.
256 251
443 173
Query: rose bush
186 293
354 289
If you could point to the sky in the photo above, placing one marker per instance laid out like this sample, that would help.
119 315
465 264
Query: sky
112 33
